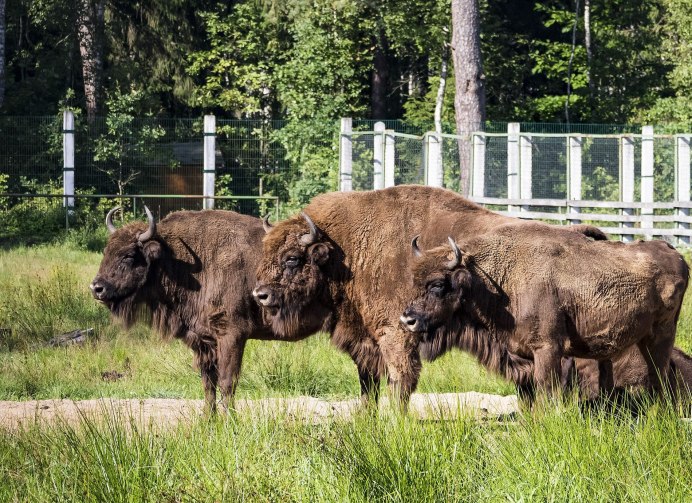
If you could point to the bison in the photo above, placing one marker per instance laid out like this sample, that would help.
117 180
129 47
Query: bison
630 372
530 292
191 277
338 267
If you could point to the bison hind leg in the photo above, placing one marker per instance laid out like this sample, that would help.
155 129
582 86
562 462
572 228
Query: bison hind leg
656 351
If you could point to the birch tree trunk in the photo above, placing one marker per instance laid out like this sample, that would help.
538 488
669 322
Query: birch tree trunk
89 34
589 52
469 98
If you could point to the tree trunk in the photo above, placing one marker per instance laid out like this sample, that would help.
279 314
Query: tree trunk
380 77
589 52
469 98
439 100
2 52
89 34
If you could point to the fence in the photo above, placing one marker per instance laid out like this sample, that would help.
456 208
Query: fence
629 184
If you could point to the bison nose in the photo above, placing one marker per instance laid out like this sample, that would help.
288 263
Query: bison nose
263 296
411 322
97 289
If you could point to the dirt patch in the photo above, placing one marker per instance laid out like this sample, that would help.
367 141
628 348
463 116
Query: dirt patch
160 412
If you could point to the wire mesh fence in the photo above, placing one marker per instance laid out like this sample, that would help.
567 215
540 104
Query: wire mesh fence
262 166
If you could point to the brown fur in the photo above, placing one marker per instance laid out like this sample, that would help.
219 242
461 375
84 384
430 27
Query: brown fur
630 372
543 295
192 281
351 280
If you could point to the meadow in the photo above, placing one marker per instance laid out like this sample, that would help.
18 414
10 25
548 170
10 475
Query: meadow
556 453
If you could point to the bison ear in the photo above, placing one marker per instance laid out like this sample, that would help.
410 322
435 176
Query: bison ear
462 280
319 253
152 250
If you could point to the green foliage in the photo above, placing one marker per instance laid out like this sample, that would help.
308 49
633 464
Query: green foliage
125 140
237 70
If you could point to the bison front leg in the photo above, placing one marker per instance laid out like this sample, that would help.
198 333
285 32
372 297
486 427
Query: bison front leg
210 375
402 362
231 350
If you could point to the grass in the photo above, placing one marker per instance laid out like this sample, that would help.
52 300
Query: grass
554 454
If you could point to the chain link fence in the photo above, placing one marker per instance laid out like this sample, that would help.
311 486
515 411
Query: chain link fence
264 166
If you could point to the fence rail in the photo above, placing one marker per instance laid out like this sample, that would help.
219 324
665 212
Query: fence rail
638 181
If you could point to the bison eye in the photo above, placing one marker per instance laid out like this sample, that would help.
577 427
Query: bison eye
292 262
436 287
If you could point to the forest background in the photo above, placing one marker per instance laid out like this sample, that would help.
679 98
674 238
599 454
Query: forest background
303 64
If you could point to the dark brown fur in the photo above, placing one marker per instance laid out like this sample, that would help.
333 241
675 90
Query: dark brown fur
630 372
531 292
351 280
192 281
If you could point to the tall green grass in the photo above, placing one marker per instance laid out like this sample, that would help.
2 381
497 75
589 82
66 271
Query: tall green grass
560 454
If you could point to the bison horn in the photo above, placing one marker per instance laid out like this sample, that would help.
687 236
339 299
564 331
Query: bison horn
308 239
265 223
414 244
149 233
109 219
457 254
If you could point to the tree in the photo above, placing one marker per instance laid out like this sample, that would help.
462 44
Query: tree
90 36
126 144
469 102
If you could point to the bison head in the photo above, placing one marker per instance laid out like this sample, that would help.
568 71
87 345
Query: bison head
440 281
126 265
293 277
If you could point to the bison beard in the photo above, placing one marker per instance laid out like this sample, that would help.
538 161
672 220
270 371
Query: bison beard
531 294
361 271
189 277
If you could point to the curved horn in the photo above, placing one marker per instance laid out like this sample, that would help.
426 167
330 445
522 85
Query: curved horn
265 223
457 254
308 239
414 245
109 219
149 233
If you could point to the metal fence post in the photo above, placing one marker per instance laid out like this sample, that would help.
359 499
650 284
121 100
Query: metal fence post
526 168
346 155
389 158
209 161
682 179
574 169
513 159
627 180
68 159
432 144
478 174
378 156
647 183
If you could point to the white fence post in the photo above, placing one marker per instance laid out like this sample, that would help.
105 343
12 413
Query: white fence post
433 159
627 180
378 156
526 168
647 183
209 161
346 156
682 186
389 158
513 158
574 170
68 158
478 173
